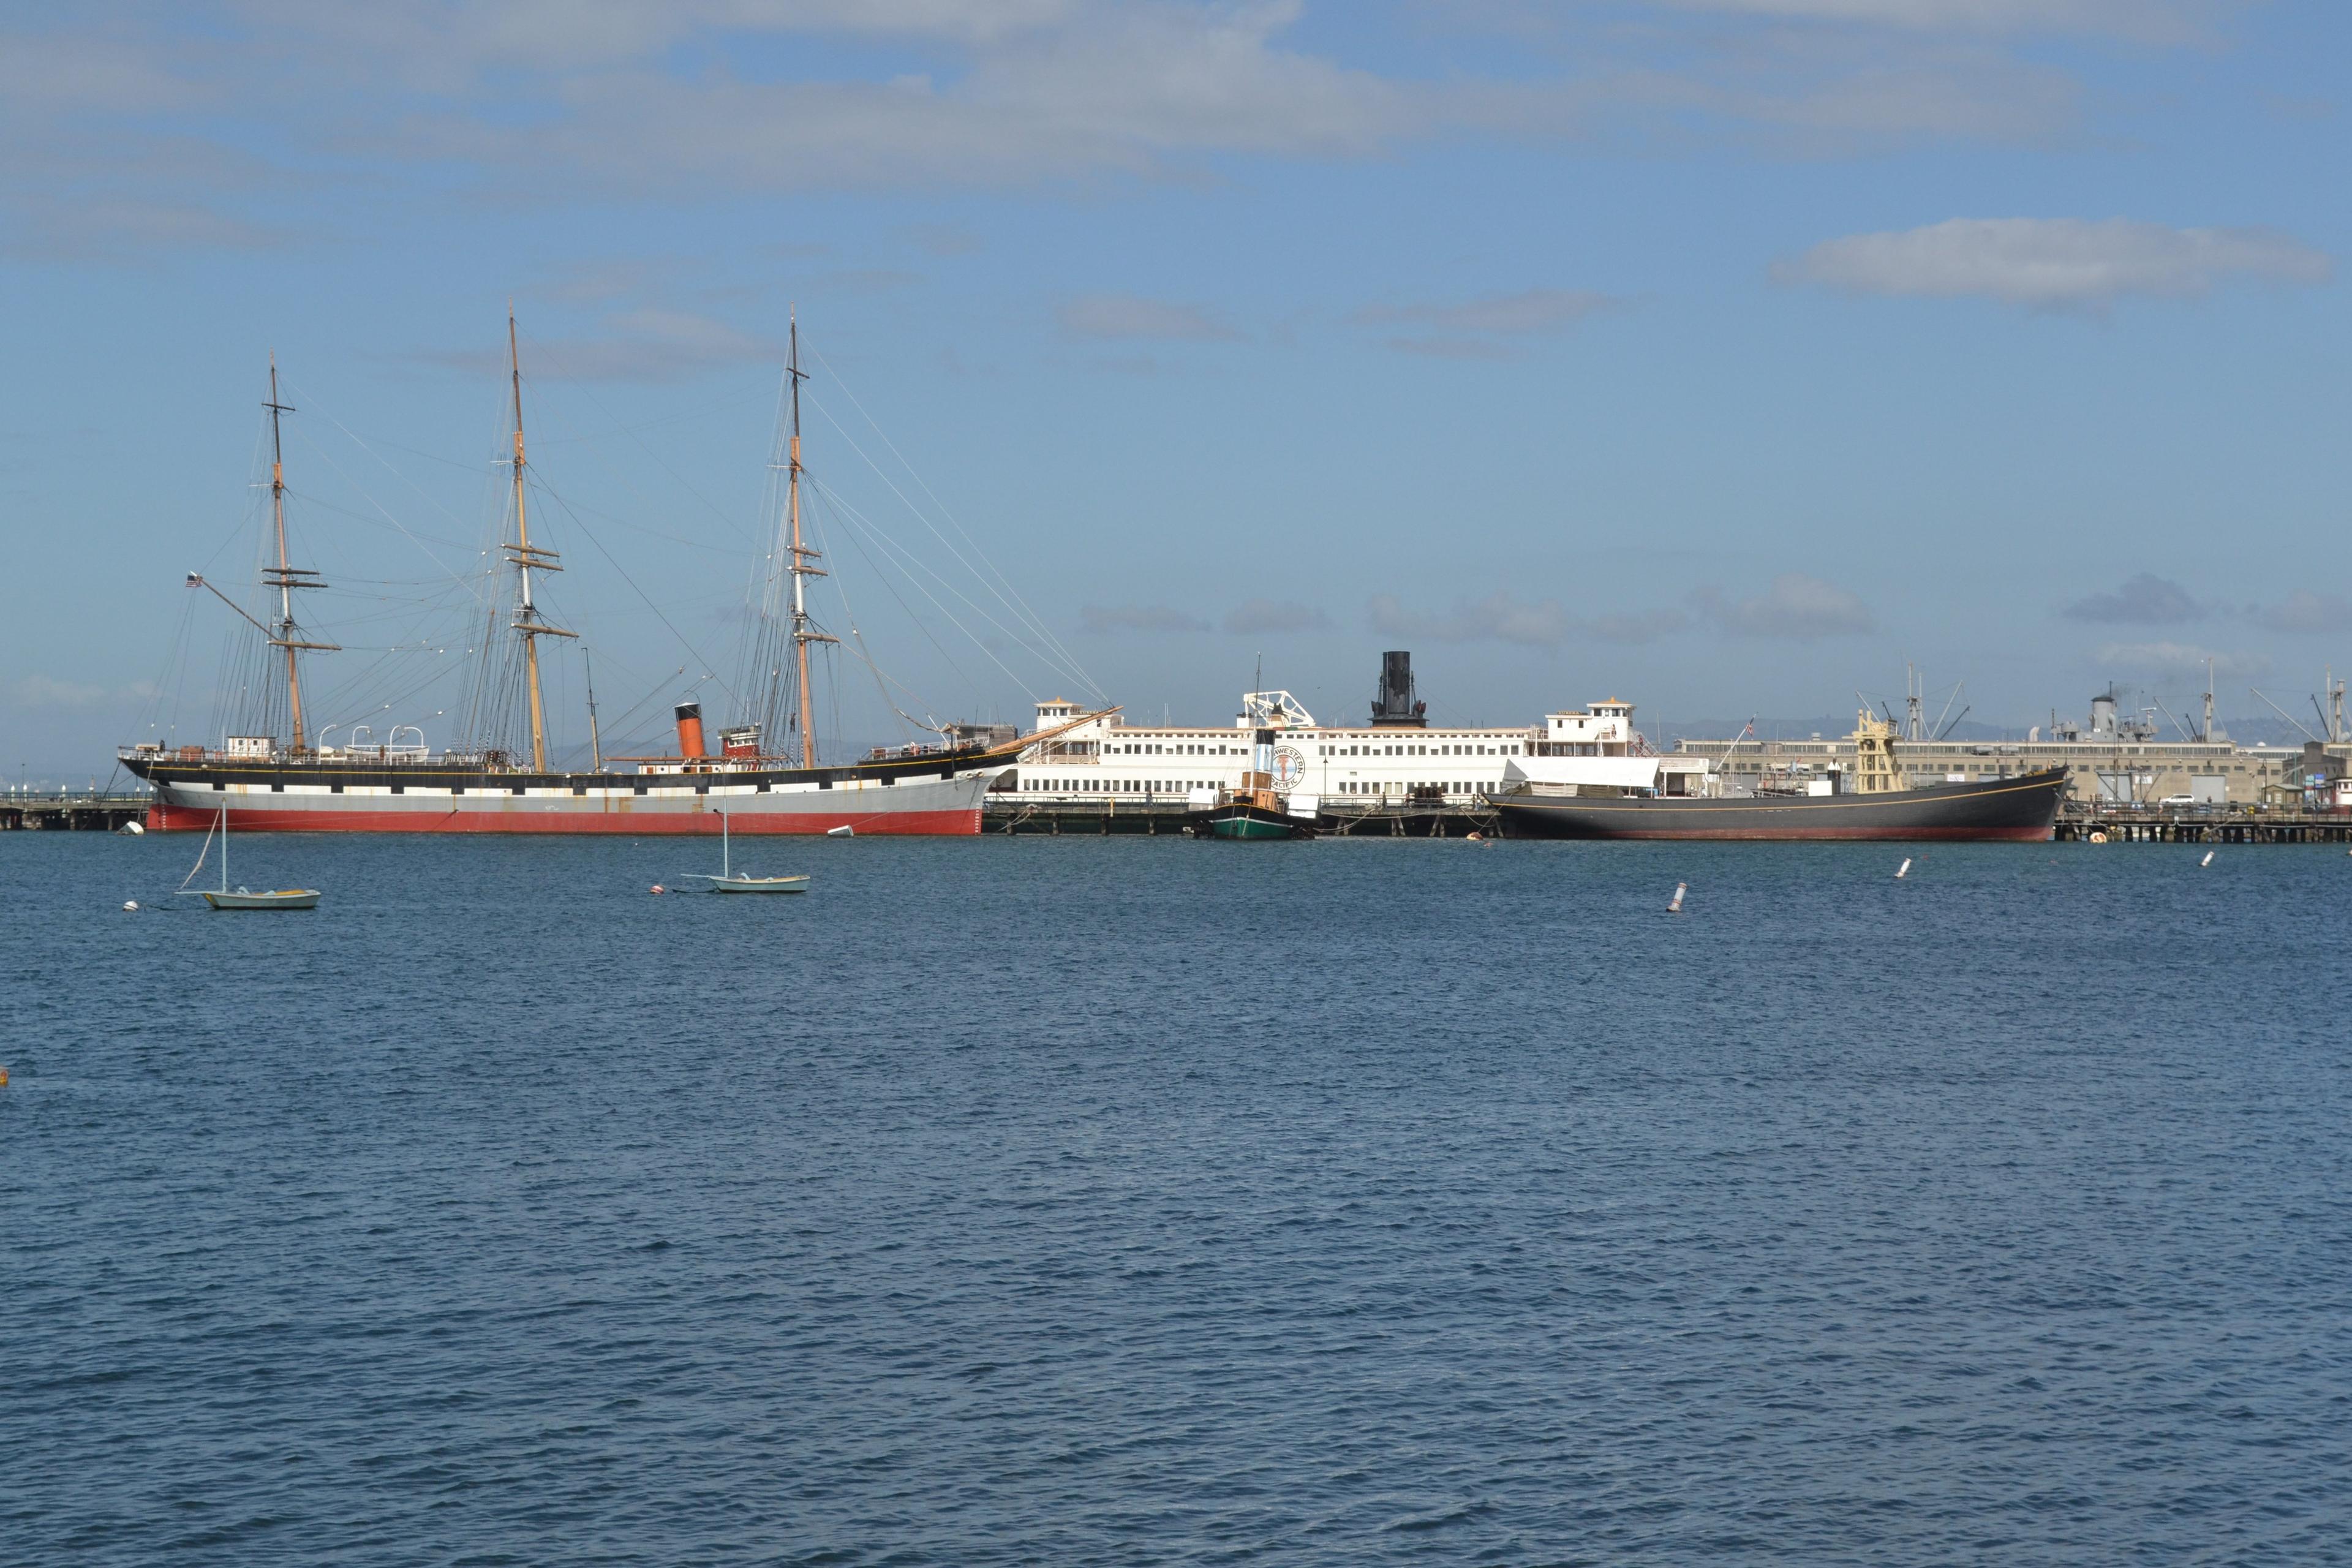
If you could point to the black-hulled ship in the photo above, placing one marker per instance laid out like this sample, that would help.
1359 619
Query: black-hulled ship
1626 796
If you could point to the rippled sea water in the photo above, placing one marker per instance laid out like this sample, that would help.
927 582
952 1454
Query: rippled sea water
1143 1201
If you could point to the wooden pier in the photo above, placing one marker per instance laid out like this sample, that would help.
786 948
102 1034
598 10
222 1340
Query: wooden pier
84 813
2078 821
1394 819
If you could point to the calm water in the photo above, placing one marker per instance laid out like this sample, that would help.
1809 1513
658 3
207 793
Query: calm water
1146 1200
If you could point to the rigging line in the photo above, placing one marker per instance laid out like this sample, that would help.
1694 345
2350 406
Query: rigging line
906 562
550 491
692 412
841 590
310 499
471 592
848 391
619 522
648 451
849 515
913 473
422 494
817 523
1070 666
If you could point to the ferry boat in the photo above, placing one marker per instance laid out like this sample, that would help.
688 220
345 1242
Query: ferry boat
1400 755
294 781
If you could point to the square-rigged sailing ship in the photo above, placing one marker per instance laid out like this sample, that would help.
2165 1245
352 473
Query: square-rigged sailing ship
266 781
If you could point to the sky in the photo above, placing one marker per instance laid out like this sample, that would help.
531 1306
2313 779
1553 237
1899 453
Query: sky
1727 356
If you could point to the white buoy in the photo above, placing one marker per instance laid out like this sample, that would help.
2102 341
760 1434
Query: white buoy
2209 858
133 828
130 906
843 831
1903 870
1677 907
657 887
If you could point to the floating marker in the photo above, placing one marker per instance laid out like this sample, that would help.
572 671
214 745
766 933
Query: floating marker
657 887
130 906
4 1075
1677 907
2209 858
843 831
1903 870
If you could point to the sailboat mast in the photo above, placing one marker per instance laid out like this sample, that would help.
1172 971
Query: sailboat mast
285 581
801 556
595 742
525 560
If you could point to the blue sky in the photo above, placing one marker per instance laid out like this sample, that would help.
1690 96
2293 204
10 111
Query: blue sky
1725 355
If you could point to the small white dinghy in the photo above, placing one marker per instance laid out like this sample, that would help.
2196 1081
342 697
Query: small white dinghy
728 881
243 897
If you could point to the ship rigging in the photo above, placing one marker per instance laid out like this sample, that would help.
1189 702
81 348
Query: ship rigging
482 785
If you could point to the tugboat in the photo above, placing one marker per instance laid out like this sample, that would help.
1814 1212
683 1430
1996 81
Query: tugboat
1622 796
1257 810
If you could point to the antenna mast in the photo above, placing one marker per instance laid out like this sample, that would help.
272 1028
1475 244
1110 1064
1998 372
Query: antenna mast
802 558
525 559
283 577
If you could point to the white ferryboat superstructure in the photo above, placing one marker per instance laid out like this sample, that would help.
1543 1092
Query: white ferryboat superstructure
1396 757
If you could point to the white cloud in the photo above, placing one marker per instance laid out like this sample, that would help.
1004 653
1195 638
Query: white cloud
2307 611
2153 20
1637 626
1504 618
1531 311
1113 317
1499 617
1266 615
687 99
650 343
2173 658
47 691
1796 606
1477 329
1451 348
1111 618
2145 599
2053 263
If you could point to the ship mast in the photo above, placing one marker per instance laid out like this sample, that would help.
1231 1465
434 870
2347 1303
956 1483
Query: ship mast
283 577
527 559
802 558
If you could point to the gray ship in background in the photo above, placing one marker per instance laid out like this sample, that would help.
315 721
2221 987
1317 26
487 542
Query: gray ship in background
1597 783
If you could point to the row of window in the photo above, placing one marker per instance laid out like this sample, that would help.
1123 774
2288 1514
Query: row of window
1443 750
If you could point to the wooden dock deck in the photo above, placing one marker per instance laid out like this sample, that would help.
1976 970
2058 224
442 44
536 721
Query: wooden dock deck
82 812
1393 820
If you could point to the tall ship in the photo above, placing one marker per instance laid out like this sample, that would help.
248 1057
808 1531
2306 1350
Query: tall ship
765 774
1590 788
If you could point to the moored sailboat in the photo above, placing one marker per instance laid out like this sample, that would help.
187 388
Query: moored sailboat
243 897
728 881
